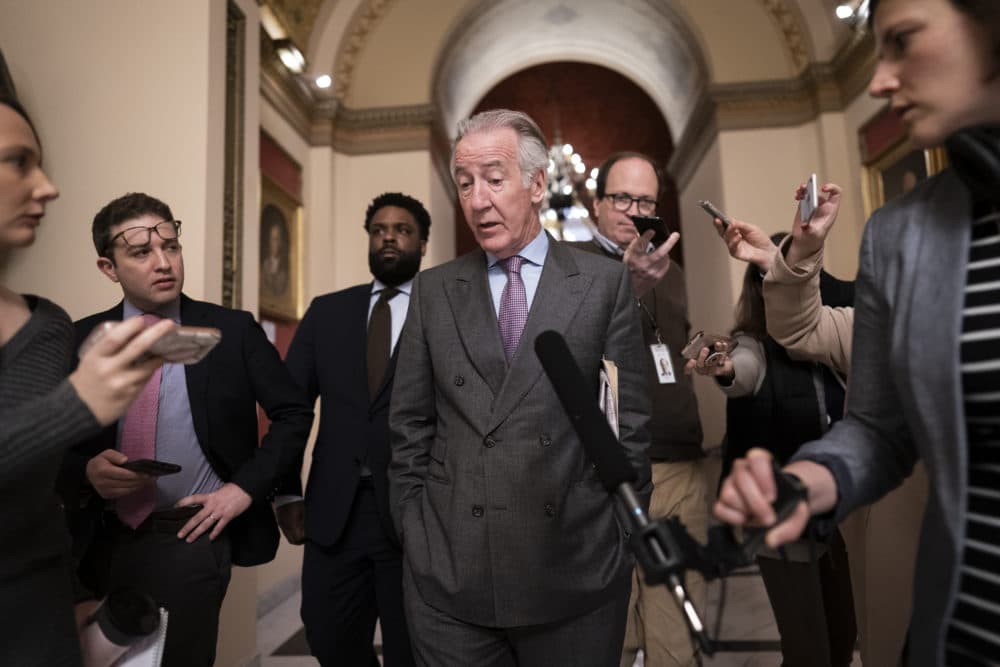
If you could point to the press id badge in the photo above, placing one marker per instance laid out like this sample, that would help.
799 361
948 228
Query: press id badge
662 363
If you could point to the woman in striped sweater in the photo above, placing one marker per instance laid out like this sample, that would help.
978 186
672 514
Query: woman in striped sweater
925 369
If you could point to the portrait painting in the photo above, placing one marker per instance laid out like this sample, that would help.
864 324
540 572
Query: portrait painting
280 219
891 167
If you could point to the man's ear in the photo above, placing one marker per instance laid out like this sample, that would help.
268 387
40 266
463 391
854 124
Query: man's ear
537 186
107 267
423 248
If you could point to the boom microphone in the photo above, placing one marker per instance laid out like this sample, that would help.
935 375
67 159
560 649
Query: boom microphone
655 549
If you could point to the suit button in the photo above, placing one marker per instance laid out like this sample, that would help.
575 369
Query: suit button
545 440
489 441
459 380
550 509
477 511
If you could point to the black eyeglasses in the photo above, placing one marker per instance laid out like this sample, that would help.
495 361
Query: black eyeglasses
623 201
134 237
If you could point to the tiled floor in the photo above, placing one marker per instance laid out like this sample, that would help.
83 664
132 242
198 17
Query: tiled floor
745 617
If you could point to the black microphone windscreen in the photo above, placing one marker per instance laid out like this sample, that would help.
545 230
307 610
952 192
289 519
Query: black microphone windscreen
599 442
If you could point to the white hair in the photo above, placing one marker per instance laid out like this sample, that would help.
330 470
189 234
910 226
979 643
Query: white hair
532 152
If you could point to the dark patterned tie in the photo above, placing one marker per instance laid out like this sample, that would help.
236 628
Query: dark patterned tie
379 340
513 306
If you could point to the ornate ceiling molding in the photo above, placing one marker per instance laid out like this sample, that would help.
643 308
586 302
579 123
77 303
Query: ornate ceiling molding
789 22
820 87
366 19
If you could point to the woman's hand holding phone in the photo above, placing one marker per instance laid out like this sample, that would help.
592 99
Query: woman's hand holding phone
808 236
116 367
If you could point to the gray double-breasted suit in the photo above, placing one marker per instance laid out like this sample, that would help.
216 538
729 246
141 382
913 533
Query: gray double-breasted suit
502 518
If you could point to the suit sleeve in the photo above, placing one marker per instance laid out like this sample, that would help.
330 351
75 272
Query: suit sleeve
412 415
285 405
870 451
301 364
624 346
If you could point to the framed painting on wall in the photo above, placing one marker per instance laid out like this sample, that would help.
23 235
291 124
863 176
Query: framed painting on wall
891 165
280 252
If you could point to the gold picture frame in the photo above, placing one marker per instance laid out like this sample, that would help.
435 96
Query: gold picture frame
280 257
891 165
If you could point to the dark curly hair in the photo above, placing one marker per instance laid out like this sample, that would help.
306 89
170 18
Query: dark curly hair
406 202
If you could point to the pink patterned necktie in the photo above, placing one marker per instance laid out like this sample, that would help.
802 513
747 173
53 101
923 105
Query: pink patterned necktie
513 306
139 442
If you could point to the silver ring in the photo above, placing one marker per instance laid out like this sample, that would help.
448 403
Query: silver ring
211 517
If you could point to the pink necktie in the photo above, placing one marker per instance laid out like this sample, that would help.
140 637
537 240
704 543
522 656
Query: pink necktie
513 306
139 442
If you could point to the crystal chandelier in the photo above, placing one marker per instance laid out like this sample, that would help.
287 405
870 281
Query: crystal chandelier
563 213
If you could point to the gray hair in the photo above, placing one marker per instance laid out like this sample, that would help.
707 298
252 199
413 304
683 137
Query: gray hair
532 151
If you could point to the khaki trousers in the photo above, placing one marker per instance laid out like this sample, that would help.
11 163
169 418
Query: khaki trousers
882 541
655 623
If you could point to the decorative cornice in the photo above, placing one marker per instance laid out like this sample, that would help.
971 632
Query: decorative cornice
382 130
366 18
788 21
280 87
819 88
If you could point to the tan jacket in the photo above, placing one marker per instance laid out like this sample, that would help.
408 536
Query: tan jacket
796 317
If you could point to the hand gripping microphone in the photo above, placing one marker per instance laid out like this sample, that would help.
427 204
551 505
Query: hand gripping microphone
655 548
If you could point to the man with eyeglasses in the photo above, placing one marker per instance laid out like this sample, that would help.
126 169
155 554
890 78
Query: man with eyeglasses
176 536
630 183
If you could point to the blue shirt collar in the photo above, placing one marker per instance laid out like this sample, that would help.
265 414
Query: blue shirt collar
534 252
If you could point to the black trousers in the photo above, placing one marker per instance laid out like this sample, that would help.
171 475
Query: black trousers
188 580
592 639
813 608
347 586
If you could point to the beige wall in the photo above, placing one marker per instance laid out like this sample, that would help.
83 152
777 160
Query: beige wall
707 272
128 111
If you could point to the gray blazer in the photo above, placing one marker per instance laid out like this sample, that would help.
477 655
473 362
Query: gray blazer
502 518
905 388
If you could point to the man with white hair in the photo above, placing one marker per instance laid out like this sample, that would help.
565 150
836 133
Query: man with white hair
514 553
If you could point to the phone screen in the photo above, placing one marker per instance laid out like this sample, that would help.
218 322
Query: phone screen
647 222
809 203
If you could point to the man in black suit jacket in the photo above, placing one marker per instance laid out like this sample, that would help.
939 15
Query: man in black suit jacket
216 511
352 568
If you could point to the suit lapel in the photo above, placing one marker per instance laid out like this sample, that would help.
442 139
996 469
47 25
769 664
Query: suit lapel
932 342
472 307
197 375
561 291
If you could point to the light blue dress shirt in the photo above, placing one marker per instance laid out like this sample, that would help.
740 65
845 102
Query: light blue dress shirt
176 440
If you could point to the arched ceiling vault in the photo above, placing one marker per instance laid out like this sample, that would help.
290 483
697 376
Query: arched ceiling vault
647 42
707 64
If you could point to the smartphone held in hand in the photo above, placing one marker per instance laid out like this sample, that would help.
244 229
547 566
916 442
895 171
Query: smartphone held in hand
644 223
151 467
183 345
718 347
810 202
713 211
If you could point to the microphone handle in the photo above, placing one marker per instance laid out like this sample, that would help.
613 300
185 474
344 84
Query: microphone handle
674 584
